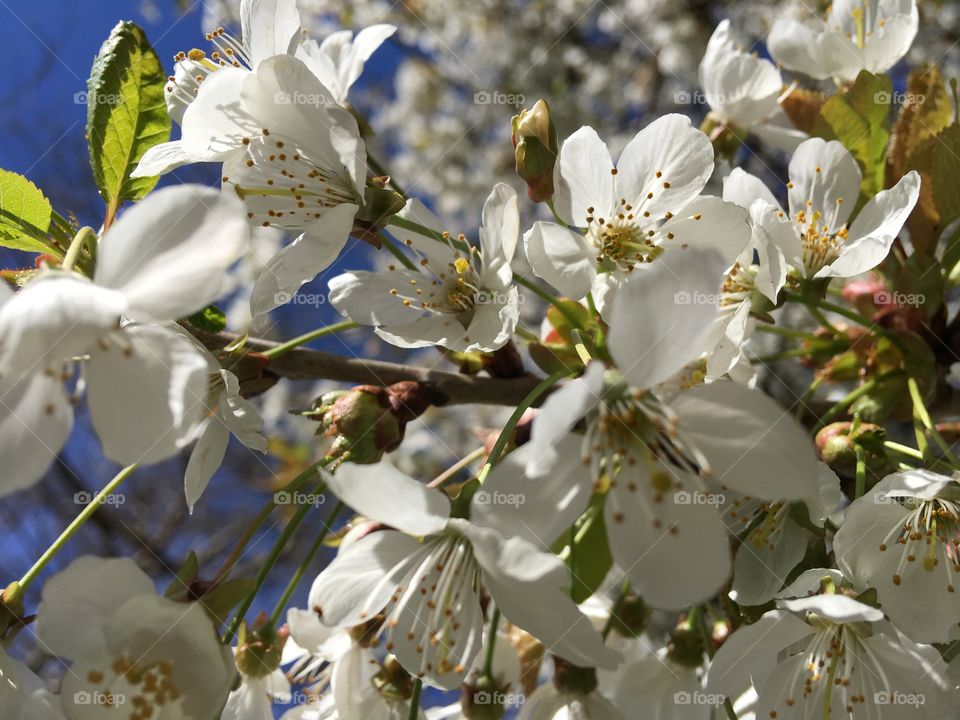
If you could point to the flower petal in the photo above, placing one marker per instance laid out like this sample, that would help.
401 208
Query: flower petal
679 294
583 178
825 178
156 375
269 27
384 493
205 459
562 257
169 254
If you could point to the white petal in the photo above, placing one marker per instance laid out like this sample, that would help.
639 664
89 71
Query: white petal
494 319
744 189
677 558
240 415
743 434
839 608
582 177
822 174
215 123
366 297
384 493
302 260
562 410
500 231
155 375
205 459
752 652
793 45
535 507
169 254
680 292
269 27
708 223
359 582
54 319
562 257
670 159
161 159
875 228
514 571
74 607
35 421
436 329
759 570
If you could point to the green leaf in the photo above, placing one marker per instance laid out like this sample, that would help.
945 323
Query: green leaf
179 587
126 112
921 284
24 215
859 118
937 160
211 319
588 556
226 596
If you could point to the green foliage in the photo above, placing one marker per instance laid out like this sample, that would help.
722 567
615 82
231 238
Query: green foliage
211 319
587 553
859 118
126 112
24 215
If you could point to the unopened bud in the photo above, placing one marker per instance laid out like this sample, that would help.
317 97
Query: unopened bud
571 678
535 150
259 648
368 421
483 699
837 445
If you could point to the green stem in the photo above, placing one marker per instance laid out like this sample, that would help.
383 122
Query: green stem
849 315
415 700
903 449
511 423
547 297
262 516
73 527
853 396
269 564
782 355
283 348
491 644
302 568
861 483
617 606
922 416
84 235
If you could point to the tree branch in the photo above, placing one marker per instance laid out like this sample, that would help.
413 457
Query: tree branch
448 388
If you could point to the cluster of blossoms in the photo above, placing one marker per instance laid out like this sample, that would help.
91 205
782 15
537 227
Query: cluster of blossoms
659 538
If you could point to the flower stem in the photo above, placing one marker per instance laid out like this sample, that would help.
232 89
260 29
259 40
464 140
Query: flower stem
786 332
462 463
491 644
922 416
262 516
861 482
270 562
302 569
283 348
852 396
511 424
415 700
74 526
84 235
848 314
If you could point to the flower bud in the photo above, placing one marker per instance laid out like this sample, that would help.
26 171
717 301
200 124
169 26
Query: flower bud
837 446
259 649
368 421
571 678
483 699
535 149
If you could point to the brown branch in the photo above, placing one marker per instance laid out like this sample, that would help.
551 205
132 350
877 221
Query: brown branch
447 388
